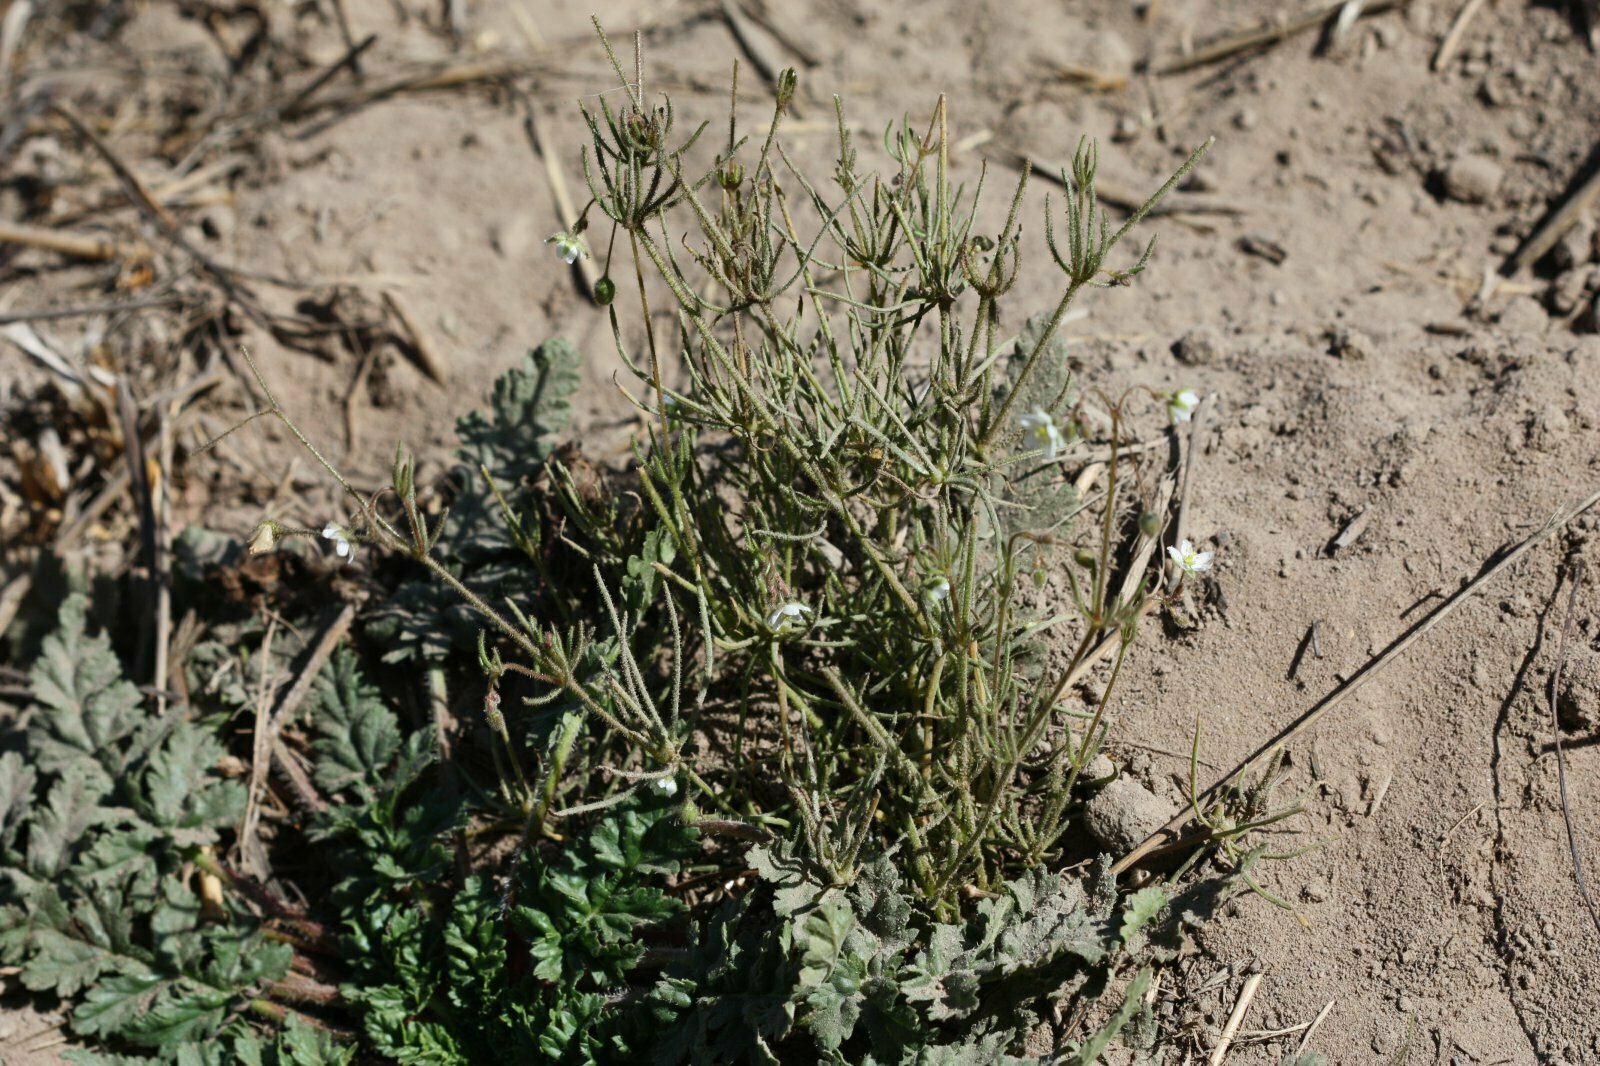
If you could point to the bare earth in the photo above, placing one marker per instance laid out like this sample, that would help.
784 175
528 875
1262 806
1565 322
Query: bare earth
1362 357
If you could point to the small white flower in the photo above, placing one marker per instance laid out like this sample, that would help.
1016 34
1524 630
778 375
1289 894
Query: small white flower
1042 429
667 786
780 617
939 590
1181 405
568 247
342 547
1189 560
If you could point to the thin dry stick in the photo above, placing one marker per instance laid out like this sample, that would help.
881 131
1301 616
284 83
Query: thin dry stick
427 356
1246 994
351 59
1269 35
1458 30
1561 758
267 739
1546 236
1305 1041
1128 198
760 55
1167 836
161 504
77 245
48 313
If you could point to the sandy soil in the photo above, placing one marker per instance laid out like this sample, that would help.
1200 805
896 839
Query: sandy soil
1363 356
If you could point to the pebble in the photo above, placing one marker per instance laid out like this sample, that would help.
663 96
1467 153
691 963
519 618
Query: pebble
1576 246
1317 891
512 239
1123 813
1198 347
1578 703
1523 315
1473 179
1347 343
1567 291
1099 768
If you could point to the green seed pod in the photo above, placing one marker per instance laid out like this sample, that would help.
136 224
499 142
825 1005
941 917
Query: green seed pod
1149 523
1083 557
1039 577
605 290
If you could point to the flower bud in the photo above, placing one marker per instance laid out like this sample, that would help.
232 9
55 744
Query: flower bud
1149 523
787 81
731 175
264 539
605 290
1084 557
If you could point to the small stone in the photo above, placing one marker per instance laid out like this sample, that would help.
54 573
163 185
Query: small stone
1245 119
1124 813
1099 769
1347 343
1473 179
1576 246
1198 347
1523 315
1567 291
1112 54
512 238
1578 702
1317 891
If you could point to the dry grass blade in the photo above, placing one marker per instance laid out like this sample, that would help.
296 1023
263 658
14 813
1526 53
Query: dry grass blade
1561 758
1168 836
1458 30
1128 198
1551 229
1264 36
268 748
76 245
1231 1029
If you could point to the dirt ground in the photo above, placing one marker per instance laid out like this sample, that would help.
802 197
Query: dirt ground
1336 289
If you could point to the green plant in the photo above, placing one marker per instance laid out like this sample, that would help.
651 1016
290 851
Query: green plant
94 826
818 619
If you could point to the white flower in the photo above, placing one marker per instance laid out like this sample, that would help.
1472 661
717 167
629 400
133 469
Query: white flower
342 547
1042 428
780 617
1189 560
1181 405
667 786
568 247
939 590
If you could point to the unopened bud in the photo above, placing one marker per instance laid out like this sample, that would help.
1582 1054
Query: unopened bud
787 81
265 538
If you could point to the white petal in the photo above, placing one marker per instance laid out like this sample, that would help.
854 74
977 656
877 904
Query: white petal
331 531
1202 562
341 547
1177 556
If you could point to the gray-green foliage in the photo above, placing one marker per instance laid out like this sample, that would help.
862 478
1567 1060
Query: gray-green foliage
96 821
491 550
834 453
806 610
869 977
